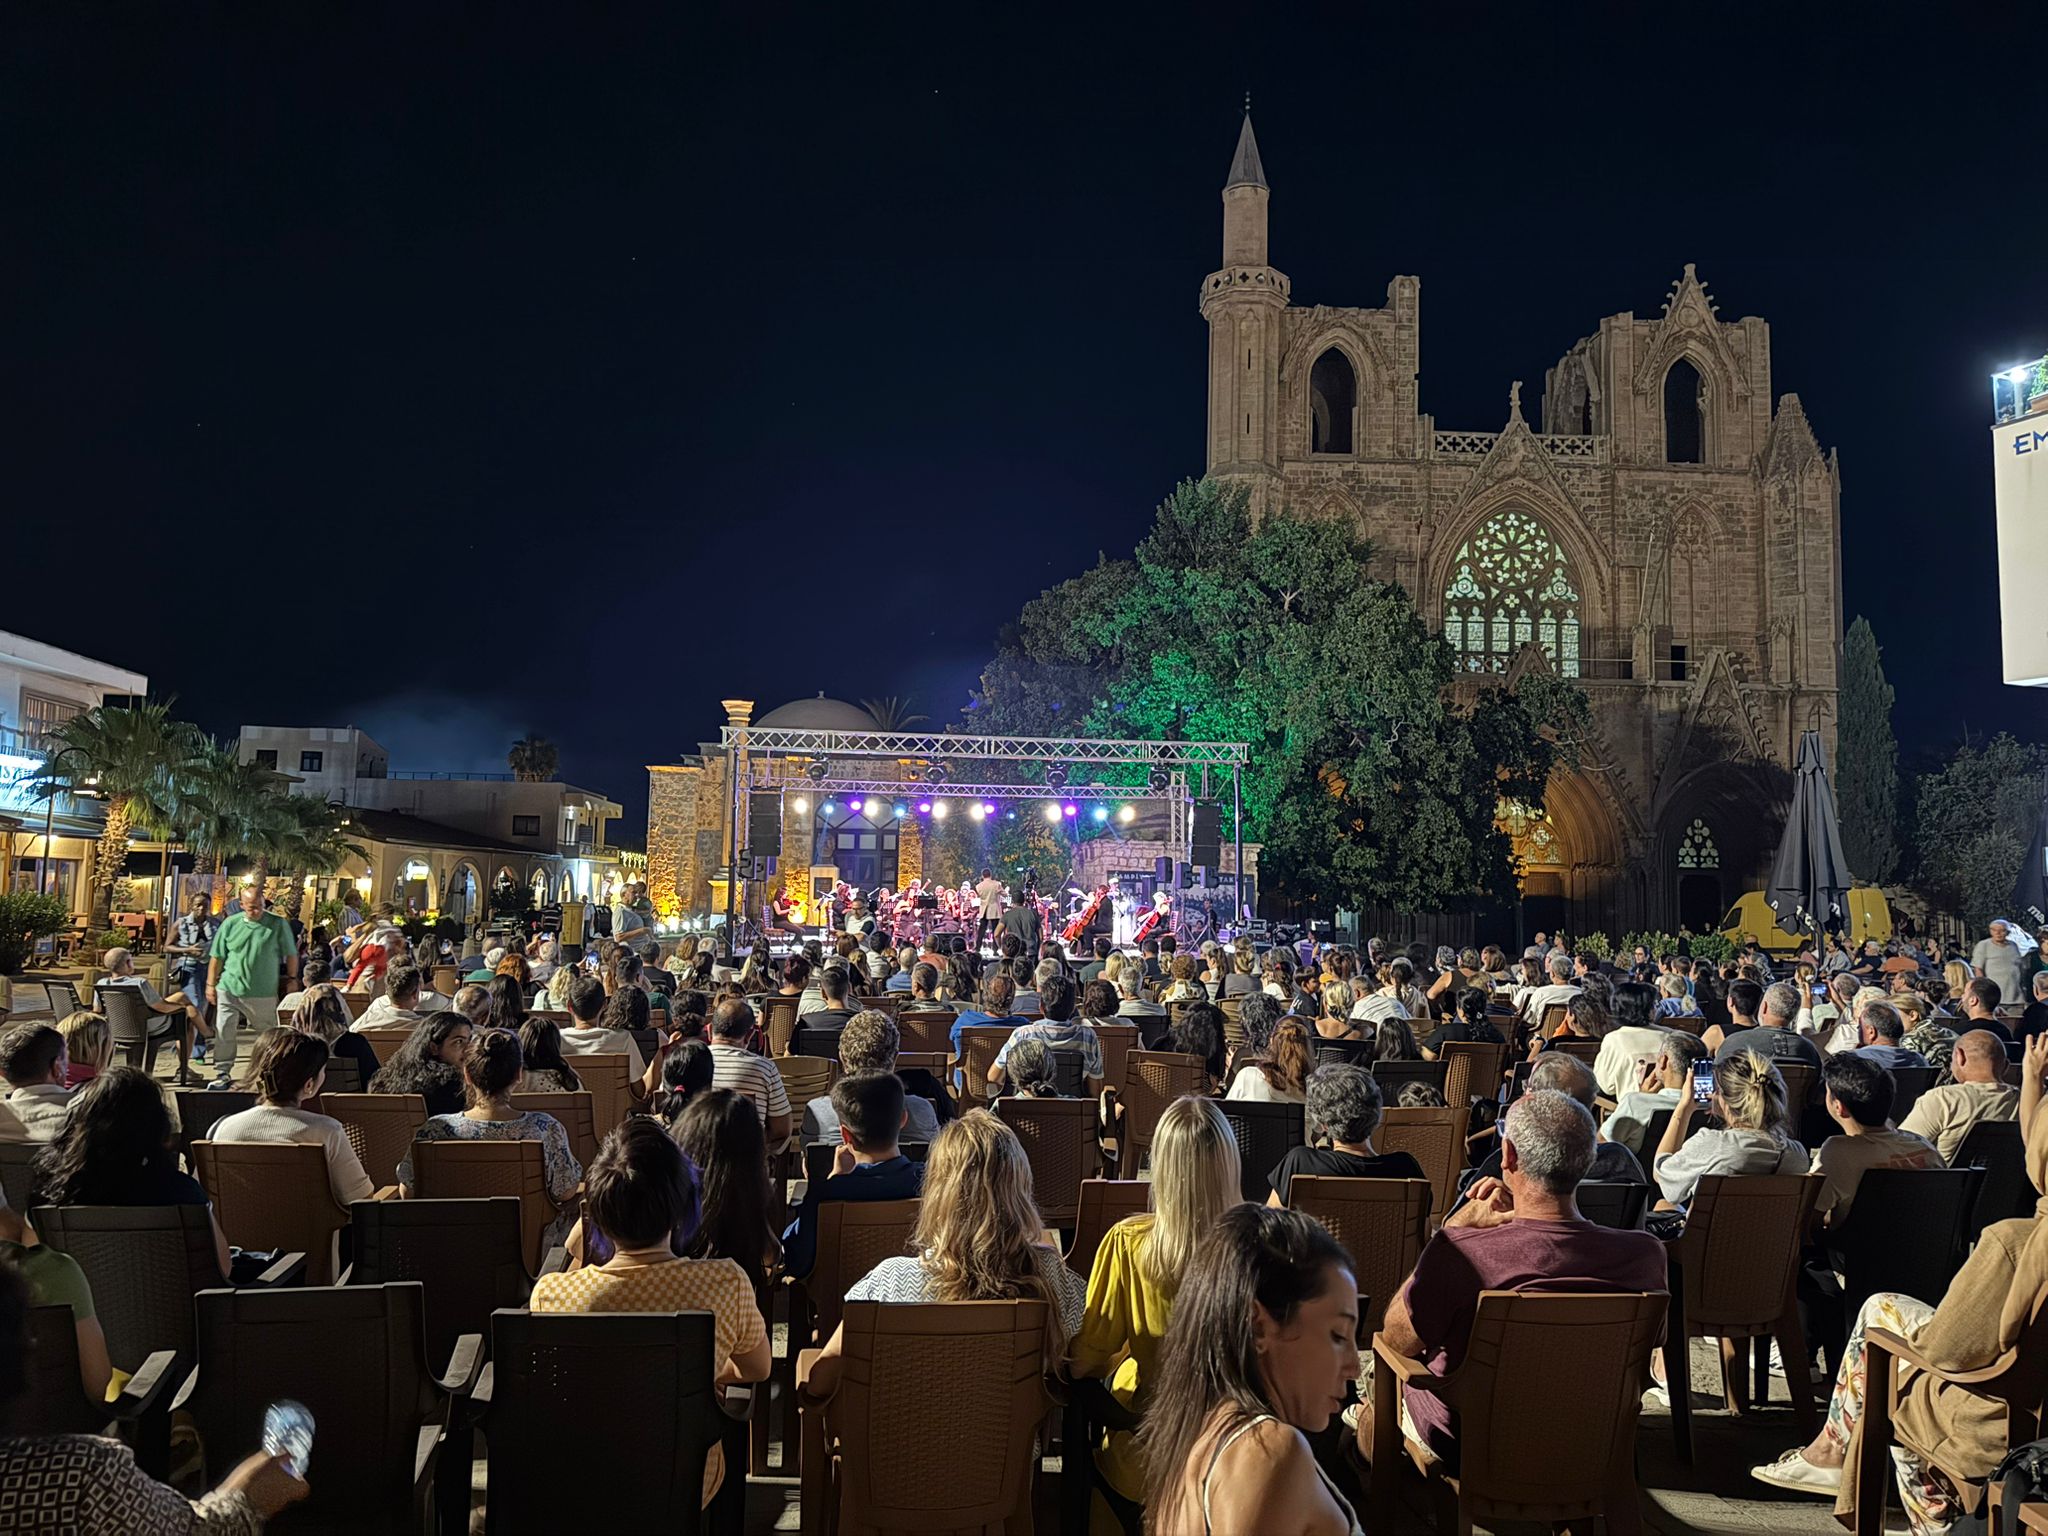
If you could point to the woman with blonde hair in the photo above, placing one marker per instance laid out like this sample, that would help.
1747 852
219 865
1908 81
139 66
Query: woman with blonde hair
1754 1138
977 1239
88 1046
1138 1269
1334 1021
323 1015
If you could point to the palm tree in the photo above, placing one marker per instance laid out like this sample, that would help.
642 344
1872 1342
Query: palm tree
307 840
533 759
892 713
130 758
217 800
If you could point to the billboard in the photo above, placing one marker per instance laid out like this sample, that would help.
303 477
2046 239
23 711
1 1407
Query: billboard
2020 479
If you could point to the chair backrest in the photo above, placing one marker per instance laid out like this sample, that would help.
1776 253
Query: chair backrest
1998 1148
1435 1138
55 1402
1265 1134
275 1195
1587 1051
549 1369
925 1029
1102 1204
778 1021
1614 1204
914 1459
200 1110
1118 1041
822 1044
577 1117
15 1171
1069 1072
343 1076
127 1018
32 1000
853 1237
356 1357
1393 1076
1800 1083
818 1157
379 1127
385 1039
144 1264
1343 1053
1553 1015
469 1256
604 1075
1528 1353
1517 1081
1907 1231
1059 1141
483 1170
1740 1251
1153 1080
1382 1224
1910 1083
805 1078
1472 1070
979 1044
447 980
358 1002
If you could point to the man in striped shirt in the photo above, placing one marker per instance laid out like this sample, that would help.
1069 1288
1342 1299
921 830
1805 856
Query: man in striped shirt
734 1066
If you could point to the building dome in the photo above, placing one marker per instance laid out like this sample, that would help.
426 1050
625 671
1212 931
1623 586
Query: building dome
819 714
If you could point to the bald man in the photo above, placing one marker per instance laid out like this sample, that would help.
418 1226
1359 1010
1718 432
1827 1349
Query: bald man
1944 1115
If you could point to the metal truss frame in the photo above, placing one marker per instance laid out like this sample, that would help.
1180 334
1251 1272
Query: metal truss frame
947 746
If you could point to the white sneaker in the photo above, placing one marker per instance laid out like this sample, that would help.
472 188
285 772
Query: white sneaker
1658 1396
1793 1471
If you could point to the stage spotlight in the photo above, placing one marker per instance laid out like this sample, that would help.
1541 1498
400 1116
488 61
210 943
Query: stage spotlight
936 774
988 807
1052 812
1056 775
867 807
818 770
924 807
939 809
830 808
1126 814
977 811
900 813
800 805
1070 809
1157 778
1100 813
1013 815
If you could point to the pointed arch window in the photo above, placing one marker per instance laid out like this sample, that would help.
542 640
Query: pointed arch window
1684 414
1697 850
1510 584
1332 403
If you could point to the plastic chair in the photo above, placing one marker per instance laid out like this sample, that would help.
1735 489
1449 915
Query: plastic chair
1152 1080
56 1403
1910 1083
358 1002
1472 1070
1908 1231
200 1110
1343 1053
1587 1051
1732 1278
853 1237
1527 1355
1102 1204
129 1021
17 1159
1393 1076
886 1453
1382 1224
606 1077
925 1029
1613 1204
484 1170
778 1021
1118 1041
447 980
818 1155
805 1078
343 1076
820 1044
548 1369
1997 1147
1059 1137
356 1357
1435 1138
469 1256
979 1046
145 1263
1265 1134
578 1118
385 1039
380 1128
275 1195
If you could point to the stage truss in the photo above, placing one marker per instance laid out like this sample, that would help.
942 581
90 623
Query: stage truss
827 762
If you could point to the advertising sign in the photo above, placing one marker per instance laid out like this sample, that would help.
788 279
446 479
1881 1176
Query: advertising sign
2020 477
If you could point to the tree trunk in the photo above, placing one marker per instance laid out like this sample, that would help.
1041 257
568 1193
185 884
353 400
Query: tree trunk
294 894
109 859
216 869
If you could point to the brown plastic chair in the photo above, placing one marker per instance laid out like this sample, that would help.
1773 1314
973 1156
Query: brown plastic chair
275 1195
1587 1051
145 1263
925 1029
1103 1203
1528 1354
56 1404
2018 1379
358 1002
1472 1070
1152 1080
356 1357
886 1453
577 1117
200 1110
1801 1081
1265 1134
805 1078
343 1076
483 1170
380 1128
1435 1138
1553 1015
468 1255
447 980
1118 1041
606 1077
1059 1137
979 1046
129 1022
778 1021
17 1173
1382 1224
1732 1278
385 1039
853 1237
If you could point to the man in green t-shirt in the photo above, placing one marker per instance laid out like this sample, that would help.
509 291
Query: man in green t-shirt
251 953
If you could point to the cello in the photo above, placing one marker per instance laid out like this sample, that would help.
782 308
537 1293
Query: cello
1073 931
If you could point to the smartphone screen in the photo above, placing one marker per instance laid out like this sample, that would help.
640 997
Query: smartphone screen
1702 1081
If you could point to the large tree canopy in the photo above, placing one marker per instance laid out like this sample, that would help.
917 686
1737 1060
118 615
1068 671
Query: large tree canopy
1975 819
1368 782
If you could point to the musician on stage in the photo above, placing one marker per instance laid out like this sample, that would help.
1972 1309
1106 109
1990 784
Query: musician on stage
1159 919
990 893
782 911
1123 917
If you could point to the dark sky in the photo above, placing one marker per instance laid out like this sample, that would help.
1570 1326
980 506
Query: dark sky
466 371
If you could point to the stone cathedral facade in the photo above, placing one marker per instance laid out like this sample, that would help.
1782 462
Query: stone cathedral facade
1662 532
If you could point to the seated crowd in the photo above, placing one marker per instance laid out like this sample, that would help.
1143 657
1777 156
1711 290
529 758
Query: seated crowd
1212 1341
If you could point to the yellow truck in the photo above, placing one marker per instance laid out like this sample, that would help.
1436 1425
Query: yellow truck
1870 917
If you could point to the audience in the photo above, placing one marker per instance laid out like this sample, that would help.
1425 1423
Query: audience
1976 1092
34 1064
736 1067
1881 1033
866 1166
1280 1074
547 1069
1344 1109
686 1074
323 1015
430 1062
1754 1136
721 1135
641 1211
290 1067
1631 1036
1468 1022
176 1015
1058 1031
1659 1084
1763 1022
1262 1351
1197 1032
604 1025
88 1046
1859 1099
399 1003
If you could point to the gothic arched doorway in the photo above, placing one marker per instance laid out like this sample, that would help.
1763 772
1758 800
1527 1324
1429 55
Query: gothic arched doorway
1701 899
1716 836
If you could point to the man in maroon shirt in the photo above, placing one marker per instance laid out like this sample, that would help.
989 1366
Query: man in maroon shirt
1520 1232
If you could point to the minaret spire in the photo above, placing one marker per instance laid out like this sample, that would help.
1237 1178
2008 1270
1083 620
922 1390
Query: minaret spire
1245 169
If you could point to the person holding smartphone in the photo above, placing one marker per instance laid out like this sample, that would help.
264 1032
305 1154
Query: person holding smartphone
1746 1094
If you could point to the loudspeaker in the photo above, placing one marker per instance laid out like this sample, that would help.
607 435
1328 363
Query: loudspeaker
1180 875
1206 836
1204 875
1162 871
764 823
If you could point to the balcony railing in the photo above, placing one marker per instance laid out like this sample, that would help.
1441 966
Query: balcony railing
1477 445
458 778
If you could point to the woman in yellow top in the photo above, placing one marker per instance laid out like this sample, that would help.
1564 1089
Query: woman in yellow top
1138 1269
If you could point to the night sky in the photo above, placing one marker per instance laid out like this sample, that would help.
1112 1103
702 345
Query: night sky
460 372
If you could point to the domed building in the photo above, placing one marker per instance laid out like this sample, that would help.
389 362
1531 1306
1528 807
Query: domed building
686 815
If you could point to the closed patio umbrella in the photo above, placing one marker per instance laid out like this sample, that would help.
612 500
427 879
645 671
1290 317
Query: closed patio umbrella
1809 887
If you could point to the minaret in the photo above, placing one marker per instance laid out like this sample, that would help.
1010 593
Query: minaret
1242 303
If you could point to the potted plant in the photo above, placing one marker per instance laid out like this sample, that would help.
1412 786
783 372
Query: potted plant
25 917
2037 389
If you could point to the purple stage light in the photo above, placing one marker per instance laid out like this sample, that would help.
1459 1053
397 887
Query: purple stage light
1070 809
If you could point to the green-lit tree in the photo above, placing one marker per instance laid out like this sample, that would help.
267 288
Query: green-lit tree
1867 760
1368 783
